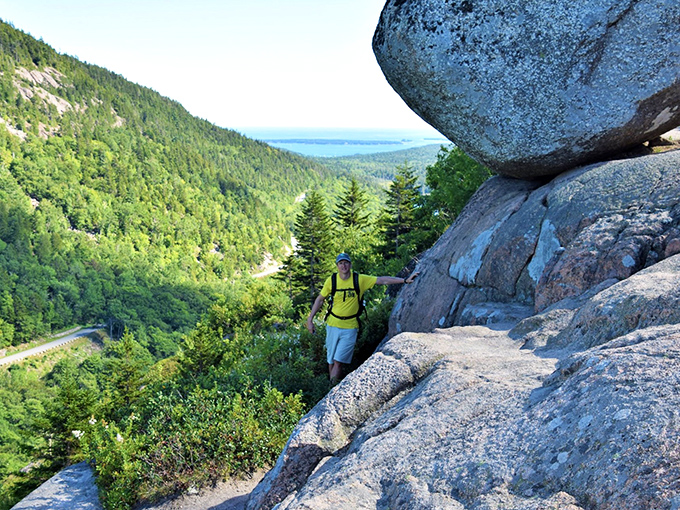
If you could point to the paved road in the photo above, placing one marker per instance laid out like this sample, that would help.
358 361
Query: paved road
46 347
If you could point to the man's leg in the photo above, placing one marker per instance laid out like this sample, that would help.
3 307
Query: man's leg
335 370
339 348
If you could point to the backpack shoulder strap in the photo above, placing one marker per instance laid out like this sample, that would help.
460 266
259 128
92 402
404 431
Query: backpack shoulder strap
334 289
357 292
356 285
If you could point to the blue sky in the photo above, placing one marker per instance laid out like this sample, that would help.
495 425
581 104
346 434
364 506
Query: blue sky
236 63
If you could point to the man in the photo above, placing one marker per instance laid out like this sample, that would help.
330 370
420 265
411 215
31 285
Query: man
343 326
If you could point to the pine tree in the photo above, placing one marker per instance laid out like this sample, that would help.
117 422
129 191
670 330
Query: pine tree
68 413
355 230
313 253
350 212
398 220
127 366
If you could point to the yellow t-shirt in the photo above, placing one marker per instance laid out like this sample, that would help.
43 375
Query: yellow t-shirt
345 301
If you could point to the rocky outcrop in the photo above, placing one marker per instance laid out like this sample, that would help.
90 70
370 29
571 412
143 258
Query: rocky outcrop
519 248
548 375
70 489
535 88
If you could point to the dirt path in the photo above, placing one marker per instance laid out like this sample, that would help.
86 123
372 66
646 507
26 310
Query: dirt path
229 495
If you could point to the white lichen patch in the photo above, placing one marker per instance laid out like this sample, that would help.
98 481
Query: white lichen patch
623 414
467 266
548 245
585 422
666 115
628 261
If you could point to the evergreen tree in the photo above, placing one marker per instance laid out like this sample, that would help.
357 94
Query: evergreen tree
127 367
313 253
212 342
399 213
350 211
67 414
356 232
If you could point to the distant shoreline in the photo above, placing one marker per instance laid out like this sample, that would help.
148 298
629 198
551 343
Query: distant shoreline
326 141
339 142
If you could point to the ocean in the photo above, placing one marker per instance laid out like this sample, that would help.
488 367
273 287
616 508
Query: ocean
326 142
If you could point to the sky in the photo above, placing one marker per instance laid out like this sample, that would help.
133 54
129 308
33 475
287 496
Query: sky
236 63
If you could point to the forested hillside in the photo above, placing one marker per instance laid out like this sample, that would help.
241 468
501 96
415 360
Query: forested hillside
116 205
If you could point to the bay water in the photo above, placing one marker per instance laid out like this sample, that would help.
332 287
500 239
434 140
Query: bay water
335 142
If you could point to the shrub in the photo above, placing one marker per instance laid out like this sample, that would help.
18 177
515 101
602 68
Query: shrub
180 441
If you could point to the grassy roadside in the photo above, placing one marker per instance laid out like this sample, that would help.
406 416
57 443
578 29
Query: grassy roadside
24 390
15 349
78 350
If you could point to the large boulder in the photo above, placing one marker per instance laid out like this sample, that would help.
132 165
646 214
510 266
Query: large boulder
535 87
569 401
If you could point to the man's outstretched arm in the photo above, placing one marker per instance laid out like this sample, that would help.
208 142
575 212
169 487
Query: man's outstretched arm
395 280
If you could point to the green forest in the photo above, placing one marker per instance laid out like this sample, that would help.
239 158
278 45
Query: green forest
382 165
119 208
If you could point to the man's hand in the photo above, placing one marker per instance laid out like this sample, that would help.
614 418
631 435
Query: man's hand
411 278
318 303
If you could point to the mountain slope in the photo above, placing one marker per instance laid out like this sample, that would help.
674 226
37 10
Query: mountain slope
115 200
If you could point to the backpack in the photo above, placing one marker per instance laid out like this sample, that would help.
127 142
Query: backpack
357 291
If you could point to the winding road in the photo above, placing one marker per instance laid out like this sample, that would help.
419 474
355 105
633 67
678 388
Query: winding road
46 347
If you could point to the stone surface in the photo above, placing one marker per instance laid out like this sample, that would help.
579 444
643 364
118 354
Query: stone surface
393 460
450 268
491 425
520 244
608 429
574 407
336 418
533 88
649 297
71 489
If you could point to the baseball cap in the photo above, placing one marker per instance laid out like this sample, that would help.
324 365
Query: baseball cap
343 256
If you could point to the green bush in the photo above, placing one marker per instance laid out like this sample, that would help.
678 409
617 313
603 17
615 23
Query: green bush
179 441
292 361
116 459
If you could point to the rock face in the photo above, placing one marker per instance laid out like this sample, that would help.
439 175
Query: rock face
70 489
547 371
532 88
519 248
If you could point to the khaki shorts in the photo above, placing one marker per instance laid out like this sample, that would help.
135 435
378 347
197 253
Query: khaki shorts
340 344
